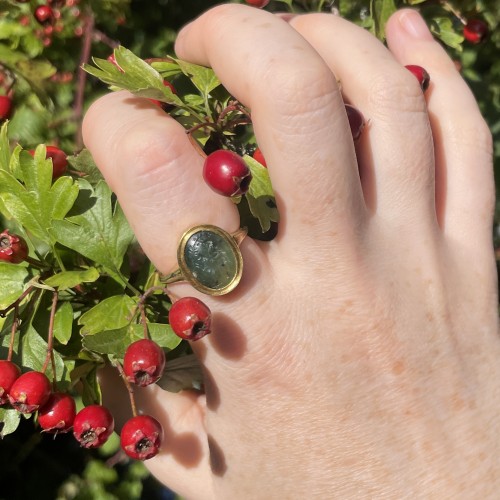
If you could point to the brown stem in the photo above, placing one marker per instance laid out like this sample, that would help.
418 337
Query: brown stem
3 312
50 339
200 125
88 29
447 6
99 36
15 324
128 386
144 320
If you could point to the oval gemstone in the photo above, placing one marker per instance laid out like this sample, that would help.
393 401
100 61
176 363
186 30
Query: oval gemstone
211 259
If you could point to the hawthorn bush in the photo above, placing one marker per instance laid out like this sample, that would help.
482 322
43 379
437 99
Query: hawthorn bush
75 289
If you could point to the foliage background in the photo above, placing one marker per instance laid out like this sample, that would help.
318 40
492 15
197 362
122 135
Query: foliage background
50 95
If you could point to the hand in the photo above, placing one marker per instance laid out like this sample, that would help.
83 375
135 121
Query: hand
359 357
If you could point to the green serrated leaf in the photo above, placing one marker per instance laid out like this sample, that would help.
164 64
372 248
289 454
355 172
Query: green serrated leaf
98 231
9 421
13 278
167 69
84 163
204 79
133 74
260 195
443 28
70 279
39 203
34 351
161 333
112 313
111 342
63 323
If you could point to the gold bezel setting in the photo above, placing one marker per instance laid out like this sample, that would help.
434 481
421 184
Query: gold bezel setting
233 240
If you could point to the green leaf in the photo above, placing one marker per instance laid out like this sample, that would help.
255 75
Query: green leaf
111 342
4 148
70 279
91 389
181 373
84 163
204 79
63 323
111 314
13 278
9 421
37 203
99 471
381 10
167 69
260 195
443 28
161 333
29 125
98 231
115 342
134 75
34 351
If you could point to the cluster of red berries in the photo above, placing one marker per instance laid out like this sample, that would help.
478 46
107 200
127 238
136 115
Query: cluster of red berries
143 364
49 17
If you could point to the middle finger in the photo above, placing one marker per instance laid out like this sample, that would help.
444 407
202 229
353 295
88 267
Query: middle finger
298 115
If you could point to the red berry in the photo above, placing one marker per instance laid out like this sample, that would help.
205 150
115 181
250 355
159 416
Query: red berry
257 155
44 15
59 160
475 31
30 391
258 3
13 248
5 107
190 318
144 362
356 121
93 425
9 373
162 104
226 173
420 74
141 437
58 413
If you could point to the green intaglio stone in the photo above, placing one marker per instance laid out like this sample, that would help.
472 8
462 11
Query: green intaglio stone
211 259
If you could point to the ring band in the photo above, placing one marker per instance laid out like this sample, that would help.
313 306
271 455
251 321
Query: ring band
210 259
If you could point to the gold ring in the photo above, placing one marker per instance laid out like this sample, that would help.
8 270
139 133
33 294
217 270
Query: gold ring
210 259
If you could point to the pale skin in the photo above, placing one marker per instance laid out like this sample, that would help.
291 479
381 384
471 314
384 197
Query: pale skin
359 357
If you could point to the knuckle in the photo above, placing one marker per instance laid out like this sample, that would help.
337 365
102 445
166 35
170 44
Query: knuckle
146 152
392 93
289 86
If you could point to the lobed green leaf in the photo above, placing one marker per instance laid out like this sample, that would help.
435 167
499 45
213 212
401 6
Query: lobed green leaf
98 230
13 278
113 313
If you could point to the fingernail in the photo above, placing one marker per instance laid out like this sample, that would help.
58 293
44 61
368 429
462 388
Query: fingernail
413 23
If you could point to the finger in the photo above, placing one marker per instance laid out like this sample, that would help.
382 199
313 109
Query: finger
396 150
149 162
183 461
297 112
464 174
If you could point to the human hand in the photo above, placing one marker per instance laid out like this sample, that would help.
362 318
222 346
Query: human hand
359 356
